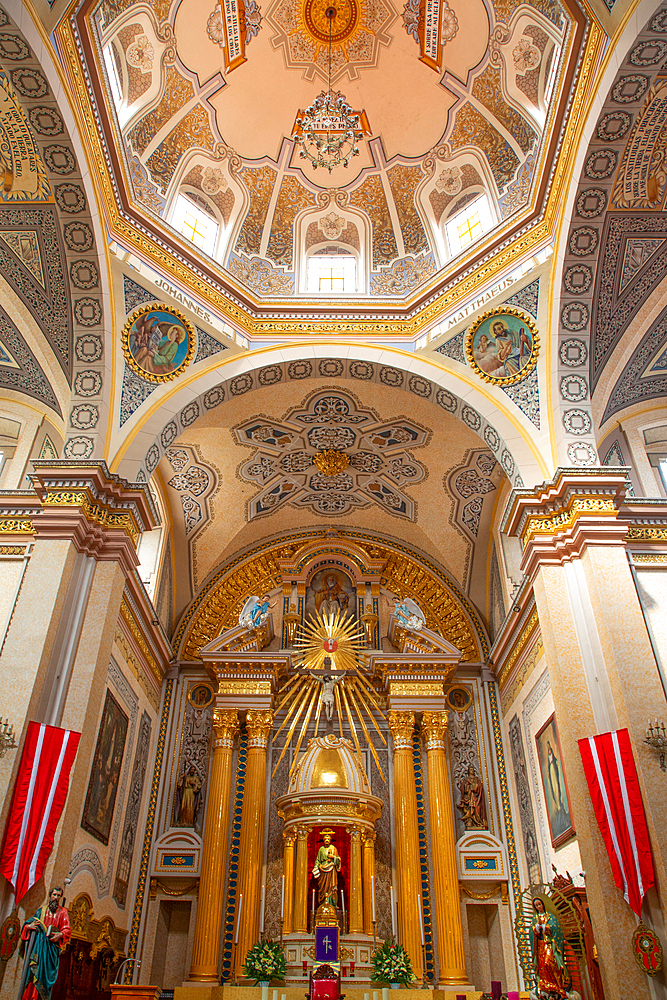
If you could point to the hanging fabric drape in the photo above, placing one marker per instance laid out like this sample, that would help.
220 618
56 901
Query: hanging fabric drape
612 781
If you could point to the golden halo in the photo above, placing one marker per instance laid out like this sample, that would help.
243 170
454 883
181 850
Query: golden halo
487 320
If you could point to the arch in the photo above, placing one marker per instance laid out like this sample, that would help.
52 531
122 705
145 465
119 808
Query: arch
153 429
590 235
260 568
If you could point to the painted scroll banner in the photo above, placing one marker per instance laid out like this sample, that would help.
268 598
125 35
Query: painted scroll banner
24 174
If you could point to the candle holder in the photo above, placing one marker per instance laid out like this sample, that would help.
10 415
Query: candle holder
656 737
424 986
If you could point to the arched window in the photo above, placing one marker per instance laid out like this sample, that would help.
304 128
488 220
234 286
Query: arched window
468 222
195 219
332 270
149 550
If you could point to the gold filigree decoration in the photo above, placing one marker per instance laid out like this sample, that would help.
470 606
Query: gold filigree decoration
331 462
129 619
401 727
16 526
551 524
516 357
518 647
95 512
648 534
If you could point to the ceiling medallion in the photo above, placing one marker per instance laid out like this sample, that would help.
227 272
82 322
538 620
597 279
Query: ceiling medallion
329 130
331 462
502 345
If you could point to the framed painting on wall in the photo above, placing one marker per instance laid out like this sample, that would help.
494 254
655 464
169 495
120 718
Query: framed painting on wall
554 784
105 772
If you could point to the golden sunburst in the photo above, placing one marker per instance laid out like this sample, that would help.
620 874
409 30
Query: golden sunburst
334 636
339 686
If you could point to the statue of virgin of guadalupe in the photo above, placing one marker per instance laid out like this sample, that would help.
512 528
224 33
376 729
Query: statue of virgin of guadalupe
548 951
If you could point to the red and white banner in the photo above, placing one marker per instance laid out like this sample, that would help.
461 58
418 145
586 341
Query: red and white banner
39 796
612 781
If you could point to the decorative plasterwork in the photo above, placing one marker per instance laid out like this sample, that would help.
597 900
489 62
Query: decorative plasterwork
501 118
616 250
359 370
369 460
218 604
358 30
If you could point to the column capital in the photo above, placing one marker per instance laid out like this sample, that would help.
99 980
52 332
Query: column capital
354 832
260 724
401 727
435 726
225 727
558 520
289 836
302 832
368 837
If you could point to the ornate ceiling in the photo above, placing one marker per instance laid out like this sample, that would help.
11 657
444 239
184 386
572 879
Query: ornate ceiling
468 100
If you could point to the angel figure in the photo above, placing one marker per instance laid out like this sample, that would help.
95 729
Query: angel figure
255 611
409 614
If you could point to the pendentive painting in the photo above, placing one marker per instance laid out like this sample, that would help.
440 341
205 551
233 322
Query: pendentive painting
158 342
105 773
502 346
559 814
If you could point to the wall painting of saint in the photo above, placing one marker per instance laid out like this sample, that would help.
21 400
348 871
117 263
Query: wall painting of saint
554 785
158 342
105 772
502 345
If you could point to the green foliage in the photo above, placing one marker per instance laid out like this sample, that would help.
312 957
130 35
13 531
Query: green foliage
391 964
265 961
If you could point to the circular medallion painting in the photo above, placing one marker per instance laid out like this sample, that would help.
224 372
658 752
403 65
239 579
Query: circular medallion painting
200 696
502 345
158 342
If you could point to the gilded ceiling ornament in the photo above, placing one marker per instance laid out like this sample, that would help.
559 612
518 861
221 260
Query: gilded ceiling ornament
287 464
502 345
331 462
140 54
358 32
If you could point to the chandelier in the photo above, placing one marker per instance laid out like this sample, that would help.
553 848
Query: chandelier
329 130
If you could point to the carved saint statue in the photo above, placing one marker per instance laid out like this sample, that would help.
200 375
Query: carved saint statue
472 805
188 797
325 870
46 934
548 953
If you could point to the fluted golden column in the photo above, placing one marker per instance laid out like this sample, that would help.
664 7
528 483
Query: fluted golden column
401 726
206 945
251 847
289 837
451 957
369 875
301 882
355 901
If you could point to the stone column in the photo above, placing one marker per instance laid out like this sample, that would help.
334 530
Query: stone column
451 957
406 837
369 872
355 901
206 945
289 837
301 882
251 849
602 671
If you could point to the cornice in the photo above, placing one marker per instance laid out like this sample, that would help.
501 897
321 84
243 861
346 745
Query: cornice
290 318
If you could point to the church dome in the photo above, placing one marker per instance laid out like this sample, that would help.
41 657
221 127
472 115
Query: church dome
329 763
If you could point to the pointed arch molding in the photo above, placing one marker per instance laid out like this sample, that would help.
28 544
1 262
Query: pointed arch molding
405 573
154 431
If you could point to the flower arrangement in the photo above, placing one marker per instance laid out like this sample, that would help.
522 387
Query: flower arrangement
391 964
265 961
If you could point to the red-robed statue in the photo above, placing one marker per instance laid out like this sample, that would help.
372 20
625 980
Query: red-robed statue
42 939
